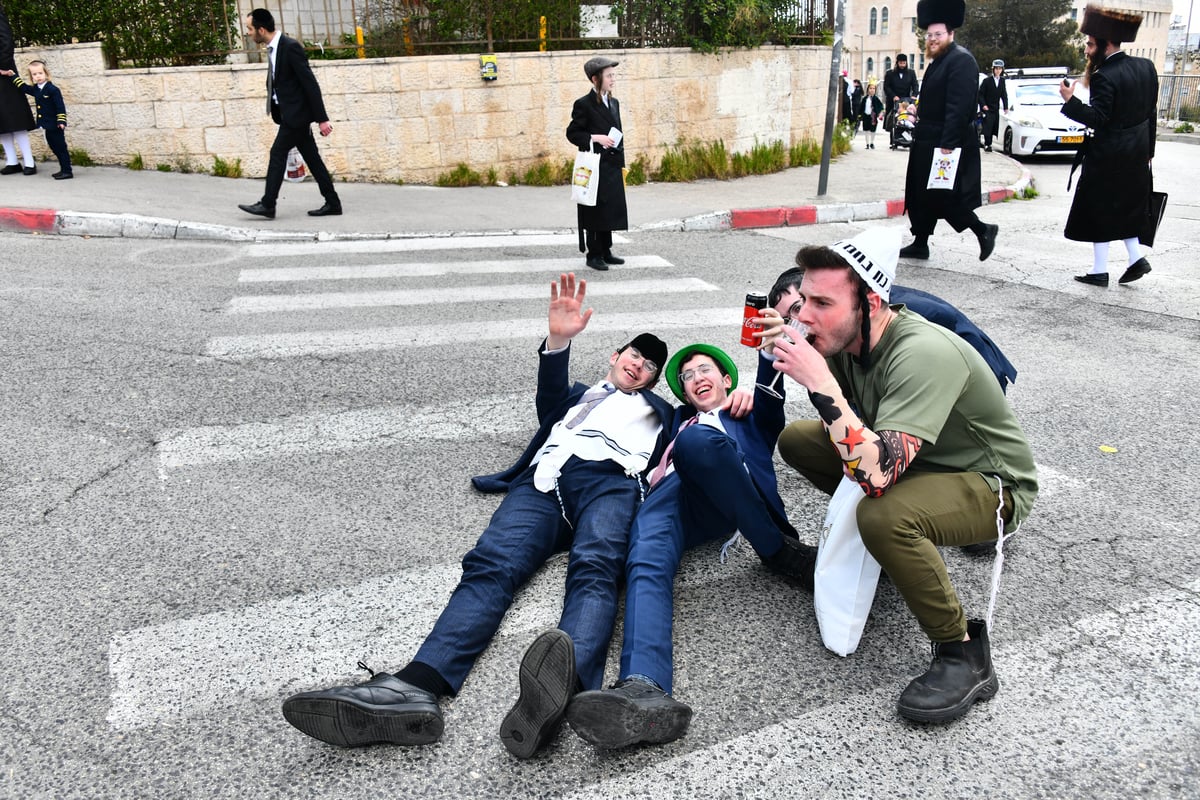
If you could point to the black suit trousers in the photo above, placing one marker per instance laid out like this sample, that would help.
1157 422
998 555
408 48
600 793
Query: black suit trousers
302 139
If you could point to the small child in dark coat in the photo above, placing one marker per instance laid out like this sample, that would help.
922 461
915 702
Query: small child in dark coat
51 113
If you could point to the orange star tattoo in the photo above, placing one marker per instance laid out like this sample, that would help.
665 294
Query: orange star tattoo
853 439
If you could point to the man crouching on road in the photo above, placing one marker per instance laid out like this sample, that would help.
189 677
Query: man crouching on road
716 478
913 413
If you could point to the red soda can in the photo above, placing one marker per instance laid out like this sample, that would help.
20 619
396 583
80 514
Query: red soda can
755 303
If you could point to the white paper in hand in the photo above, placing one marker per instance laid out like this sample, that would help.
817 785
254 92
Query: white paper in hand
615 135
944 169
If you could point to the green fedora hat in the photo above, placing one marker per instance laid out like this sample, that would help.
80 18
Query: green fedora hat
681 355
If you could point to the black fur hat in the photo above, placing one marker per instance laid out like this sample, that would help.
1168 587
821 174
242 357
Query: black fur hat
1110 24
950 13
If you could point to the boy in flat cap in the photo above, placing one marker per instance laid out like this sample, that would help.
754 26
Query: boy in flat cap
593 118
1112 199
946 122
992 94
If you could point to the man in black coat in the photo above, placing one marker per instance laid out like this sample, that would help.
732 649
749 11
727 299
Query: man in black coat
992 94
899 82
1112 199
594 117
945 123
294 102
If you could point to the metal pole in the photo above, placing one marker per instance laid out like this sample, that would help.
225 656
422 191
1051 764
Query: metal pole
831 102
1187 35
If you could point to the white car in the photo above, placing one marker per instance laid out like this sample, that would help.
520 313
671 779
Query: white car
1034 122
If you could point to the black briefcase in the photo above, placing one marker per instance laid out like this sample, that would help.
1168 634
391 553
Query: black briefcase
1154 216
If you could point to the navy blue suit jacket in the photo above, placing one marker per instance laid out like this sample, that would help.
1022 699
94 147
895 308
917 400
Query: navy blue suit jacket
755 436
556 395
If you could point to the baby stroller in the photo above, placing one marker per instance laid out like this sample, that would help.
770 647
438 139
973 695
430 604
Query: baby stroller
904 122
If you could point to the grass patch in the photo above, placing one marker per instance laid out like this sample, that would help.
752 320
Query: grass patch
80 158
162 167
1029 192
136 163
226 169
805 153
635 174
546 173
763 159
690 162
1185 127
462 175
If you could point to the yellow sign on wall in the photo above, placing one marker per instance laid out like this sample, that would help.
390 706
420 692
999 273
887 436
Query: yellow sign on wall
488 69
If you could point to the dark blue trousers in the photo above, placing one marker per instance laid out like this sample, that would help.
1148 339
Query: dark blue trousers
599 502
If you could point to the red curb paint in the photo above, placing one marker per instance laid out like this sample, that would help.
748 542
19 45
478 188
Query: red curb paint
802 215
895 208
997 195
28 219
758 218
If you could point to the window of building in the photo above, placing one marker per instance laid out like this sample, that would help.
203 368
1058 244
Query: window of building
914 25
912 58
1074 14
887 64
870 66
874 19
883 22
922 62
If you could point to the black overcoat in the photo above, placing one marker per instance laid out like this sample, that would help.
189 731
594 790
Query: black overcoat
1112 196
589 116
14 108
945 119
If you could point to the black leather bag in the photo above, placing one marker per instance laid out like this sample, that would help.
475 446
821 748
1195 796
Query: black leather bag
1154 217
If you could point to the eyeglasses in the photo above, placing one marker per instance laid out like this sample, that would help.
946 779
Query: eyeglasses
689 375
935 36
647 364
795 307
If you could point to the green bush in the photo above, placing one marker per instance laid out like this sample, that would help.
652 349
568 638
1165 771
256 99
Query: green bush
545 173
763 159
685 162
137 164
805 153
462 175
226 169
1185 127
80 157
163 167
636 176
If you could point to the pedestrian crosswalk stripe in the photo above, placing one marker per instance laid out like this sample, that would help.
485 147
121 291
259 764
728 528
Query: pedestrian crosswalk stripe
417 243
427 269
315 301
336 342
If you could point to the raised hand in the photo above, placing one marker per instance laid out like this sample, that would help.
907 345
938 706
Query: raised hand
567 319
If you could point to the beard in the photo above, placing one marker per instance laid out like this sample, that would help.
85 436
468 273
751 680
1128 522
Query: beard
1094 61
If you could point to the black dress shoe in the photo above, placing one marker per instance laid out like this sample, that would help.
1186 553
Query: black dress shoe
609 258
548 681
915 250
1136 270
258 209
596 262
327 210
633 711
30 170
796 562
63 176
384 710
11 169
1094 278
987 241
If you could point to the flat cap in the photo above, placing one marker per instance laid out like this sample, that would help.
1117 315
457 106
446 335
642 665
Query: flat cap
595 66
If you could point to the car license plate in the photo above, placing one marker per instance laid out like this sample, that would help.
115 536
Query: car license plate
1070 140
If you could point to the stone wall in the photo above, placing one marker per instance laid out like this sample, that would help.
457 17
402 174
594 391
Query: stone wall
412 119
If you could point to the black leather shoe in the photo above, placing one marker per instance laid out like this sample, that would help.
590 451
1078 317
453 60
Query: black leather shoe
1094 278
258 209
1136 270
596 262
63 176
987 149
961 674
609 258
327 210
384 710
29 170
548 681
632 711
796 562
11 169
987 241
915 250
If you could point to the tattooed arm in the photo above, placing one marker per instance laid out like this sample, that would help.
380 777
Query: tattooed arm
875 460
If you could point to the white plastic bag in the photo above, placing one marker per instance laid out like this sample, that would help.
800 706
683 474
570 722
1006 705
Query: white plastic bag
846 574
585 178
296 171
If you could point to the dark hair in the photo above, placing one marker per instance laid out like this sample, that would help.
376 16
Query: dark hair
820 257
261 18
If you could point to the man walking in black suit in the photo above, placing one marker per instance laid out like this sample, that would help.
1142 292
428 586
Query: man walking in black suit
294 102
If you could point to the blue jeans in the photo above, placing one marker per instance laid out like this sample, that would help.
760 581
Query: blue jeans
709 496
599 499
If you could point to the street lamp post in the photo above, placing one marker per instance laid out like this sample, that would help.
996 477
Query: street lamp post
862 58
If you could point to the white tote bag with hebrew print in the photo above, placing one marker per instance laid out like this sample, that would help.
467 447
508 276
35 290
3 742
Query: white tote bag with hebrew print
846 575
585 178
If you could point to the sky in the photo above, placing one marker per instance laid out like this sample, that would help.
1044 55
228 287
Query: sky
1181 8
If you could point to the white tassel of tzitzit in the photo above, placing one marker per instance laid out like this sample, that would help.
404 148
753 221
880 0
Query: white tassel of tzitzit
998 565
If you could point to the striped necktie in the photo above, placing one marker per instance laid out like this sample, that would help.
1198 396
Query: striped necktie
660 471
270 78
590 400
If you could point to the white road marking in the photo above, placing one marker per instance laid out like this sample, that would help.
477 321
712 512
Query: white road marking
330 343
454 420
418 243
427 269
258 304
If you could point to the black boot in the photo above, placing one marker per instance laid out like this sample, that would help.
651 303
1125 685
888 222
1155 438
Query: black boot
918 249
961 673
796 562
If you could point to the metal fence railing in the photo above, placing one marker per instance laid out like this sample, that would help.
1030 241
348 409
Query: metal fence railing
1179 97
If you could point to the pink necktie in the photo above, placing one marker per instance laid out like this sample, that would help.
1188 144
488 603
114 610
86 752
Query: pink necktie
589 401
661 470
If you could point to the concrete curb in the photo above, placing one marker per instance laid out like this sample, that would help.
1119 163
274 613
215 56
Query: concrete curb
133 226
